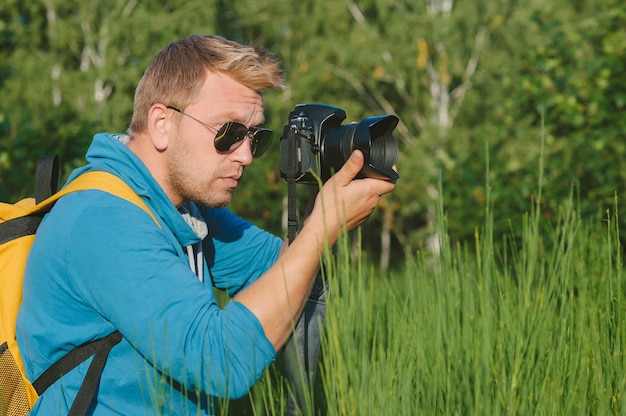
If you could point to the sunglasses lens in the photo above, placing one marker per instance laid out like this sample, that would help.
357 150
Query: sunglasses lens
229 136
261 142
232 134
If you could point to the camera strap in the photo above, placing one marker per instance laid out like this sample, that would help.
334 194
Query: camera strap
301 352
292 214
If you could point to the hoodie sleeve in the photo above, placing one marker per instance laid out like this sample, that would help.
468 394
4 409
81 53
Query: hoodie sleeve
127 269
237 252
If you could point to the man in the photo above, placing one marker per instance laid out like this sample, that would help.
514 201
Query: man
100 264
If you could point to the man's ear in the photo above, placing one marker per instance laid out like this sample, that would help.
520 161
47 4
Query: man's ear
159 125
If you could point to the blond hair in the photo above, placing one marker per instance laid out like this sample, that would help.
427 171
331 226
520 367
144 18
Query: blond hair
177 73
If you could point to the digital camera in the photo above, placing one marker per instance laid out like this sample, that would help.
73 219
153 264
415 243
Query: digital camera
314 144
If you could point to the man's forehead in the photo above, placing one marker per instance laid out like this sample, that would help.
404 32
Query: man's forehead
228 100
222 83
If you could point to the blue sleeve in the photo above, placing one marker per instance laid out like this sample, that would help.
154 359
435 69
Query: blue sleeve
237 252
134 277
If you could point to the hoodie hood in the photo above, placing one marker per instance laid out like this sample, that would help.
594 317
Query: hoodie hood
109 152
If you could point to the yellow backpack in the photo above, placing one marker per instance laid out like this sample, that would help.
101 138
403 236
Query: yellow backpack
18 224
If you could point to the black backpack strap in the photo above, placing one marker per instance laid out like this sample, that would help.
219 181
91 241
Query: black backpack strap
47 177
46 184
18 227
88 390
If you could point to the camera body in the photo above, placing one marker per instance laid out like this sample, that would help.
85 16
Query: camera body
314 144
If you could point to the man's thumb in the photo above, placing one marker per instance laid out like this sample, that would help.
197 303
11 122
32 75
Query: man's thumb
353 166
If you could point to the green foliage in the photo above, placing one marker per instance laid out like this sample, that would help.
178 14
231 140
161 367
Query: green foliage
476 85
577 79
69 70
554 78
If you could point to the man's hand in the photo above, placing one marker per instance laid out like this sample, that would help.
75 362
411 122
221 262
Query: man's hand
344 202
277 297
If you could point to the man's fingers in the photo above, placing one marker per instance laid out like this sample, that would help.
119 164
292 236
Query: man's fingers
351 168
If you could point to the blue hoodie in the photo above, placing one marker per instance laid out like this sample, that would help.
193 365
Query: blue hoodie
100 264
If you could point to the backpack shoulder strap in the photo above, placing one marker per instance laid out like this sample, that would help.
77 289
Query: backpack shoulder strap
103 181
47 177
100 348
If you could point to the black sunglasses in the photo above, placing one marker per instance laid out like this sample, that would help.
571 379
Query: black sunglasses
230 136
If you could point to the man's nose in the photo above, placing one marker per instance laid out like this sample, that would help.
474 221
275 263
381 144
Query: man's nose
243 153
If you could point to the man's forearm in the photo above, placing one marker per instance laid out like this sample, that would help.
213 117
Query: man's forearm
277 298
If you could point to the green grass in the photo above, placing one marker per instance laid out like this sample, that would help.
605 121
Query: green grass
531 325
534 324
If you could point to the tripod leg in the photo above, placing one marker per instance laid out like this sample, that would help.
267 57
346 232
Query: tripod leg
302 351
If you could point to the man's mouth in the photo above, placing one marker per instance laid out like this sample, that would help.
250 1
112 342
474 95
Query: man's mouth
233 180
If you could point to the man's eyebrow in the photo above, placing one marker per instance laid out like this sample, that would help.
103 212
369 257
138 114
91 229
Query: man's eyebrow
223 117
230 116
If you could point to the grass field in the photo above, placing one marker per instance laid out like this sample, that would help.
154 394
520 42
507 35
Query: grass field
531 325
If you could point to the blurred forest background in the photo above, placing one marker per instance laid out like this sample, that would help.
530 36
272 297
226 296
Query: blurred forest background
496 97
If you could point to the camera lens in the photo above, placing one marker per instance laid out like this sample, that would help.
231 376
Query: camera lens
372 136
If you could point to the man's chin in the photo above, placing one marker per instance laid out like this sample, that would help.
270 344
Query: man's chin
221 202
218 204
214 201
